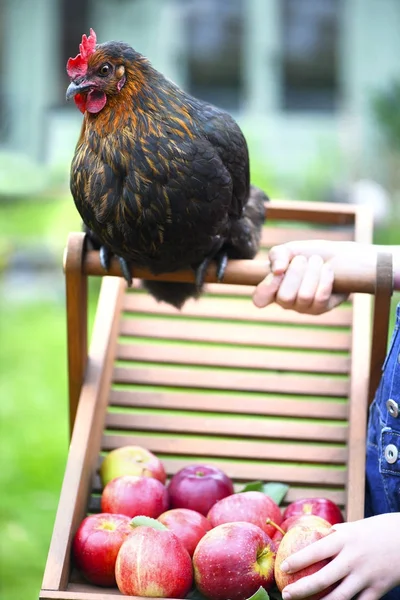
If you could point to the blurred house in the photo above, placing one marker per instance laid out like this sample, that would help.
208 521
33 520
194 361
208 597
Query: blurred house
297 74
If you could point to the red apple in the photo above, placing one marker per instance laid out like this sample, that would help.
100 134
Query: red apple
153 564
132 495
306 520
233 560
96 544
131 460
188 525
199 487
254 507
295 539
323 507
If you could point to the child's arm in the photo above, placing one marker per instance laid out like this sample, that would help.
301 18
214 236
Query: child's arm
365 561
303 272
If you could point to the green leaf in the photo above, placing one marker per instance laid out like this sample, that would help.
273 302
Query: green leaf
260 594
253 486
141 520
276 491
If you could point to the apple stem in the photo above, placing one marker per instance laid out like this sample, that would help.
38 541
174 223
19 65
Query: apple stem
271 522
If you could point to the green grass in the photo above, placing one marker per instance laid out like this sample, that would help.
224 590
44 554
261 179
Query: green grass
33 441
48 218
34 403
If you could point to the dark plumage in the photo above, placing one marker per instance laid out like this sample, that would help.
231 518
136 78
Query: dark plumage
159 177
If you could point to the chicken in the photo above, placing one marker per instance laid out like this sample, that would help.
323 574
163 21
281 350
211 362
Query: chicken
159 177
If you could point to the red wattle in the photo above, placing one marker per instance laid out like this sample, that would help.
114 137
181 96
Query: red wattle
95 101
80 101
92 102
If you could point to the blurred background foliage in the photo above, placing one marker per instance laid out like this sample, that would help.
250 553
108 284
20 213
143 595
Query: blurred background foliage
385 105
308 112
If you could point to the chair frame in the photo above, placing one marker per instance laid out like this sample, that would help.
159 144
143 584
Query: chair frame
90 371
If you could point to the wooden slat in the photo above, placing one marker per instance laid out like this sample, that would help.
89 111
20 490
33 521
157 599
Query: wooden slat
260 428
83 592
228 289
272 472
381 320
349 277
241 334
213 289
86 436
361 346
232 403
219 289
295 492
298 493
76 303
358 408
234 358
272 235
228 448
243 309
232 380
334 476
311 212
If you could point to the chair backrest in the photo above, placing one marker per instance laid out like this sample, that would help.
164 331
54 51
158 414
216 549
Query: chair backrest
264 394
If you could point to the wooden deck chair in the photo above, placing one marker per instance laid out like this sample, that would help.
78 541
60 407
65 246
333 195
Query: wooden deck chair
265 394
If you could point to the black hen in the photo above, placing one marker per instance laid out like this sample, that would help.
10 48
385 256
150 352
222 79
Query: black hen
159 177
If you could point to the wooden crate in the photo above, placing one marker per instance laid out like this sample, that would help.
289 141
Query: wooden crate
264 394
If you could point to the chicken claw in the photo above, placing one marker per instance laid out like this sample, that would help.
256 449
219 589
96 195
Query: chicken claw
221 258
201 272
222 261
126 270
105 257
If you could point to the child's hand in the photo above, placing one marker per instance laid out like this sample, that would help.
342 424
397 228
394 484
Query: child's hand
366 561
301 277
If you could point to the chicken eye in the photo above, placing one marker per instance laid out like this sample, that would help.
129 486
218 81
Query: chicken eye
104 70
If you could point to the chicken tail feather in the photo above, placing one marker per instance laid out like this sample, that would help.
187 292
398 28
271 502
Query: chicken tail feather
175 293
245 237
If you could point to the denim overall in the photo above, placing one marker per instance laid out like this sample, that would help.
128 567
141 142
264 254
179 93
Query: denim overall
383 444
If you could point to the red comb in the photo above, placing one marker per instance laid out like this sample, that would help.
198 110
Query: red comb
77 67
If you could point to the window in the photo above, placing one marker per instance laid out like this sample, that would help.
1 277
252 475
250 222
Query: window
214 31
310 54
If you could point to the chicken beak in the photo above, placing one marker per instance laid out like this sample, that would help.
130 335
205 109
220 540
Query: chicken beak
80 88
